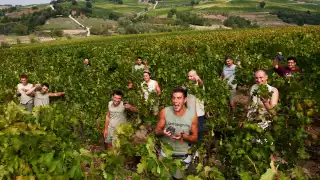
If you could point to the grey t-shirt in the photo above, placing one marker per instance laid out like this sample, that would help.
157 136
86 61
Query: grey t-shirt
117 114
41 99
181 124
229 75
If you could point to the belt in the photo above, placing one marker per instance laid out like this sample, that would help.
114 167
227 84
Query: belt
180 155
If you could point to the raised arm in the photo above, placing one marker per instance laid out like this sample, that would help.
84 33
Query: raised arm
130 108
56 94
31 91
276 63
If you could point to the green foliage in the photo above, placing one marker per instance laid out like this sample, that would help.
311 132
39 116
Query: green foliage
239 22
262 4
299 17
228 151
39 145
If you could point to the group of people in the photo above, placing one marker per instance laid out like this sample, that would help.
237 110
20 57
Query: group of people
184 121
34 95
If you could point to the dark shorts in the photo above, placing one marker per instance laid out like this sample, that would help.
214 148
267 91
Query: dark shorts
201 128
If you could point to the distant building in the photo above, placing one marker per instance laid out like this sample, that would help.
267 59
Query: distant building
4 7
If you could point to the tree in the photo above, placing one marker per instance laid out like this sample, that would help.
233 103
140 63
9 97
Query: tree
170 14
20 29
173 10
89 5
120 2
56 33
262 4
74 2
193 2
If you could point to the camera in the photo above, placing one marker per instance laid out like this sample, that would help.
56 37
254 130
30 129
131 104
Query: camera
171 129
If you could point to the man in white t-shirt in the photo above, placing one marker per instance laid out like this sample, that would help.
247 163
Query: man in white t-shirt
228 74
115 116
149 86
41 94
259 108
197 105
26 100
139 65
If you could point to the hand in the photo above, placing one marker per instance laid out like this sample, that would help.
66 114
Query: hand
177 137
127 106
61 93
105 133
38 86
265 100
197 78
166 133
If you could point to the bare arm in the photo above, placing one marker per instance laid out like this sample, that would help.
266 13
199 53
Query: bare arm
131 108
222 76
105 132
56 94
161 123
158 89
276 63
271 103
193 137
249 99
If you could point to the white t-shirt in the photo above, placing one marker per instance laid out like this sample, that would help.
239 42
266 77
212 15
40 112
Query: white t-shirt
151 88
196 105
117 114
24 99
137 67
229 74
256 105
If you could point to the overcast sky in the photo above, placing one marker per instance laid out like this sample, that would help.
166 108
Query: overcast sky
23 2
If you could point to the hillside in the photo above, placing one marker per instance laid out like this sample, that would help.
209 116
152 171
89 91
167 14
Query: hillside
113 17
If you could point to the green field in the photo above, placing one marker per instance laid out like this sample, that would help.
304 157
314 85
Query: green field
64 140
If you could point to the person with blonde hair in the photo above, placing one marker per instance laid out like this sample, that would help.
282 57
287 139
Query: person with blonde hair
195 104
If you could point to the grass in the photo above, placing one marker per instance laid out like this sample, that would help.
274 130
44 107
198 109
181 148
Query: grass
125 8
60 23
95 22
66 23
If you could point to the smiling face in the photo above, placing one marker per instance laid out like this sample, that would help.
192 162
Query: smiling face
86 61
291 64
24 80
261 77
178 101
192 76
44 89
116 99
146 77
229 62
